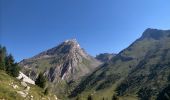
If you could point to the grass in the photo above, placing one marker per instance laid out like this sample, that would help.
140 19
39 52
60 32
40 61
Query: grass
7 92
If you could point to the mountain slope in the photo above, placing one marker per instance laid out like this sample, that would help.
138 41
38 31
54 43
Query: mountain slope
139 71
64 66
12 89
66 61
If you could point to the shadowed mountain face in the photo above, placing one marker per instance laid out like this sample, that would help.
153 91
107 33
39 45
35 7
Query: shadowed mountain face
141 70
105 57
68 62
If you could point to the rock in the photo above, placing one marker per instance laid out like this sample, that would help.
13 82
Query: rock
32 97
11 83
24 84
25 78
27 88
15 86
56 97
22 93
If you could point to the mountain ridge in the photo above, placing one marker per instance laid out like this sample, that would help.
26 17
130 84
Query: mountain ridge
122 74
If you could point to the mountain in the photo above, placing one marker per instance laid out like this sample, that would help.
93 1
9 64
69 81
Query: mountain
105 57
141 71
64 64
68 61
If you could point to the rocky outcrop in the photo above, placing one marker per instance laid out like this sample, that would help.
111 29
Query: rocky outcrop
25 78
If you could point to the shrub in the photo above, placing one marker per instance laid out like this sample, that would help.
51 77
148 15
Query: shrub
41 81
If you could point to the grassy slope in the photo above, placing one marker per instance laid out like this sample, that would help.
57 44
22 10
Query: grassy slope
122 65
7 92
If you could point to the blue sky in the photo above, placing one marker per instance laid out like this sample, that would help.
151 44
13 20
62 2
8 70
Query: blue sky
28 27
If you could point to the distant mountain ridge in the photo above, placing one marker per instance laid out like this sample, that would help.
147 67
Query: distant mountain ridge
105 57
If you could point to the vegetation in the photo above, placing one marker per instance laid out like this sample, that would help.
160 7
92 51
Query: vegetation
7 92
41 81
7 63
9 85
143 70
2 57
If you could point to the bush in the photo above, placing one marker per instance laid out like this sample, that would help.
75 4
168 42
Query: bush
41 81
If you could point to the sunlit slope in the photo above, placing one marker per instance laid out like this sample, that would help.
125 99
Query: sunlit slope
139 71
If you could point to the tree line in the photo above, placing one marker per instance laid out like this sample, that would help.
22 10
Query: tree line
7 63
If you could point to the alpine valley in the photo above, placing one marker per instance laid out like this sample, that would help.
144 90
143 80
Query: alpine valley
139 72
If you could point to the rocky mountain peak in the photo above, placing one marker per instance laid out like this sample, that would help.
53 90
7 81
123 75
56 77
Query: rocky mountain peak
67 61
72 42
66 47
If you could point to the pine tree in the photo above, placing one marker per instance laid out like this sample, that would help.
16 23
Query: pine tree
9 62
41 81
15 70
12 68
2 57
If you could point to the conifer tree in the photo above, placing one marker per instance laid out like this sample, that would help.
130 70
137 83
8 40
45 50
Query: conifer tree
12 68
2 57
41 81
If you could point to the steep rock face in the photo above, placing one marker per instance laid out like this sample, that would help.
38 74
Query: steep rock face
68 61
142 69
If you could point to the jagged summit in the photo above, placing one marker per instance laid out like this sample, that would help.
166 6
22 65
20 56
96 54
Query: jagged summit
71 40
65 47
67 61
